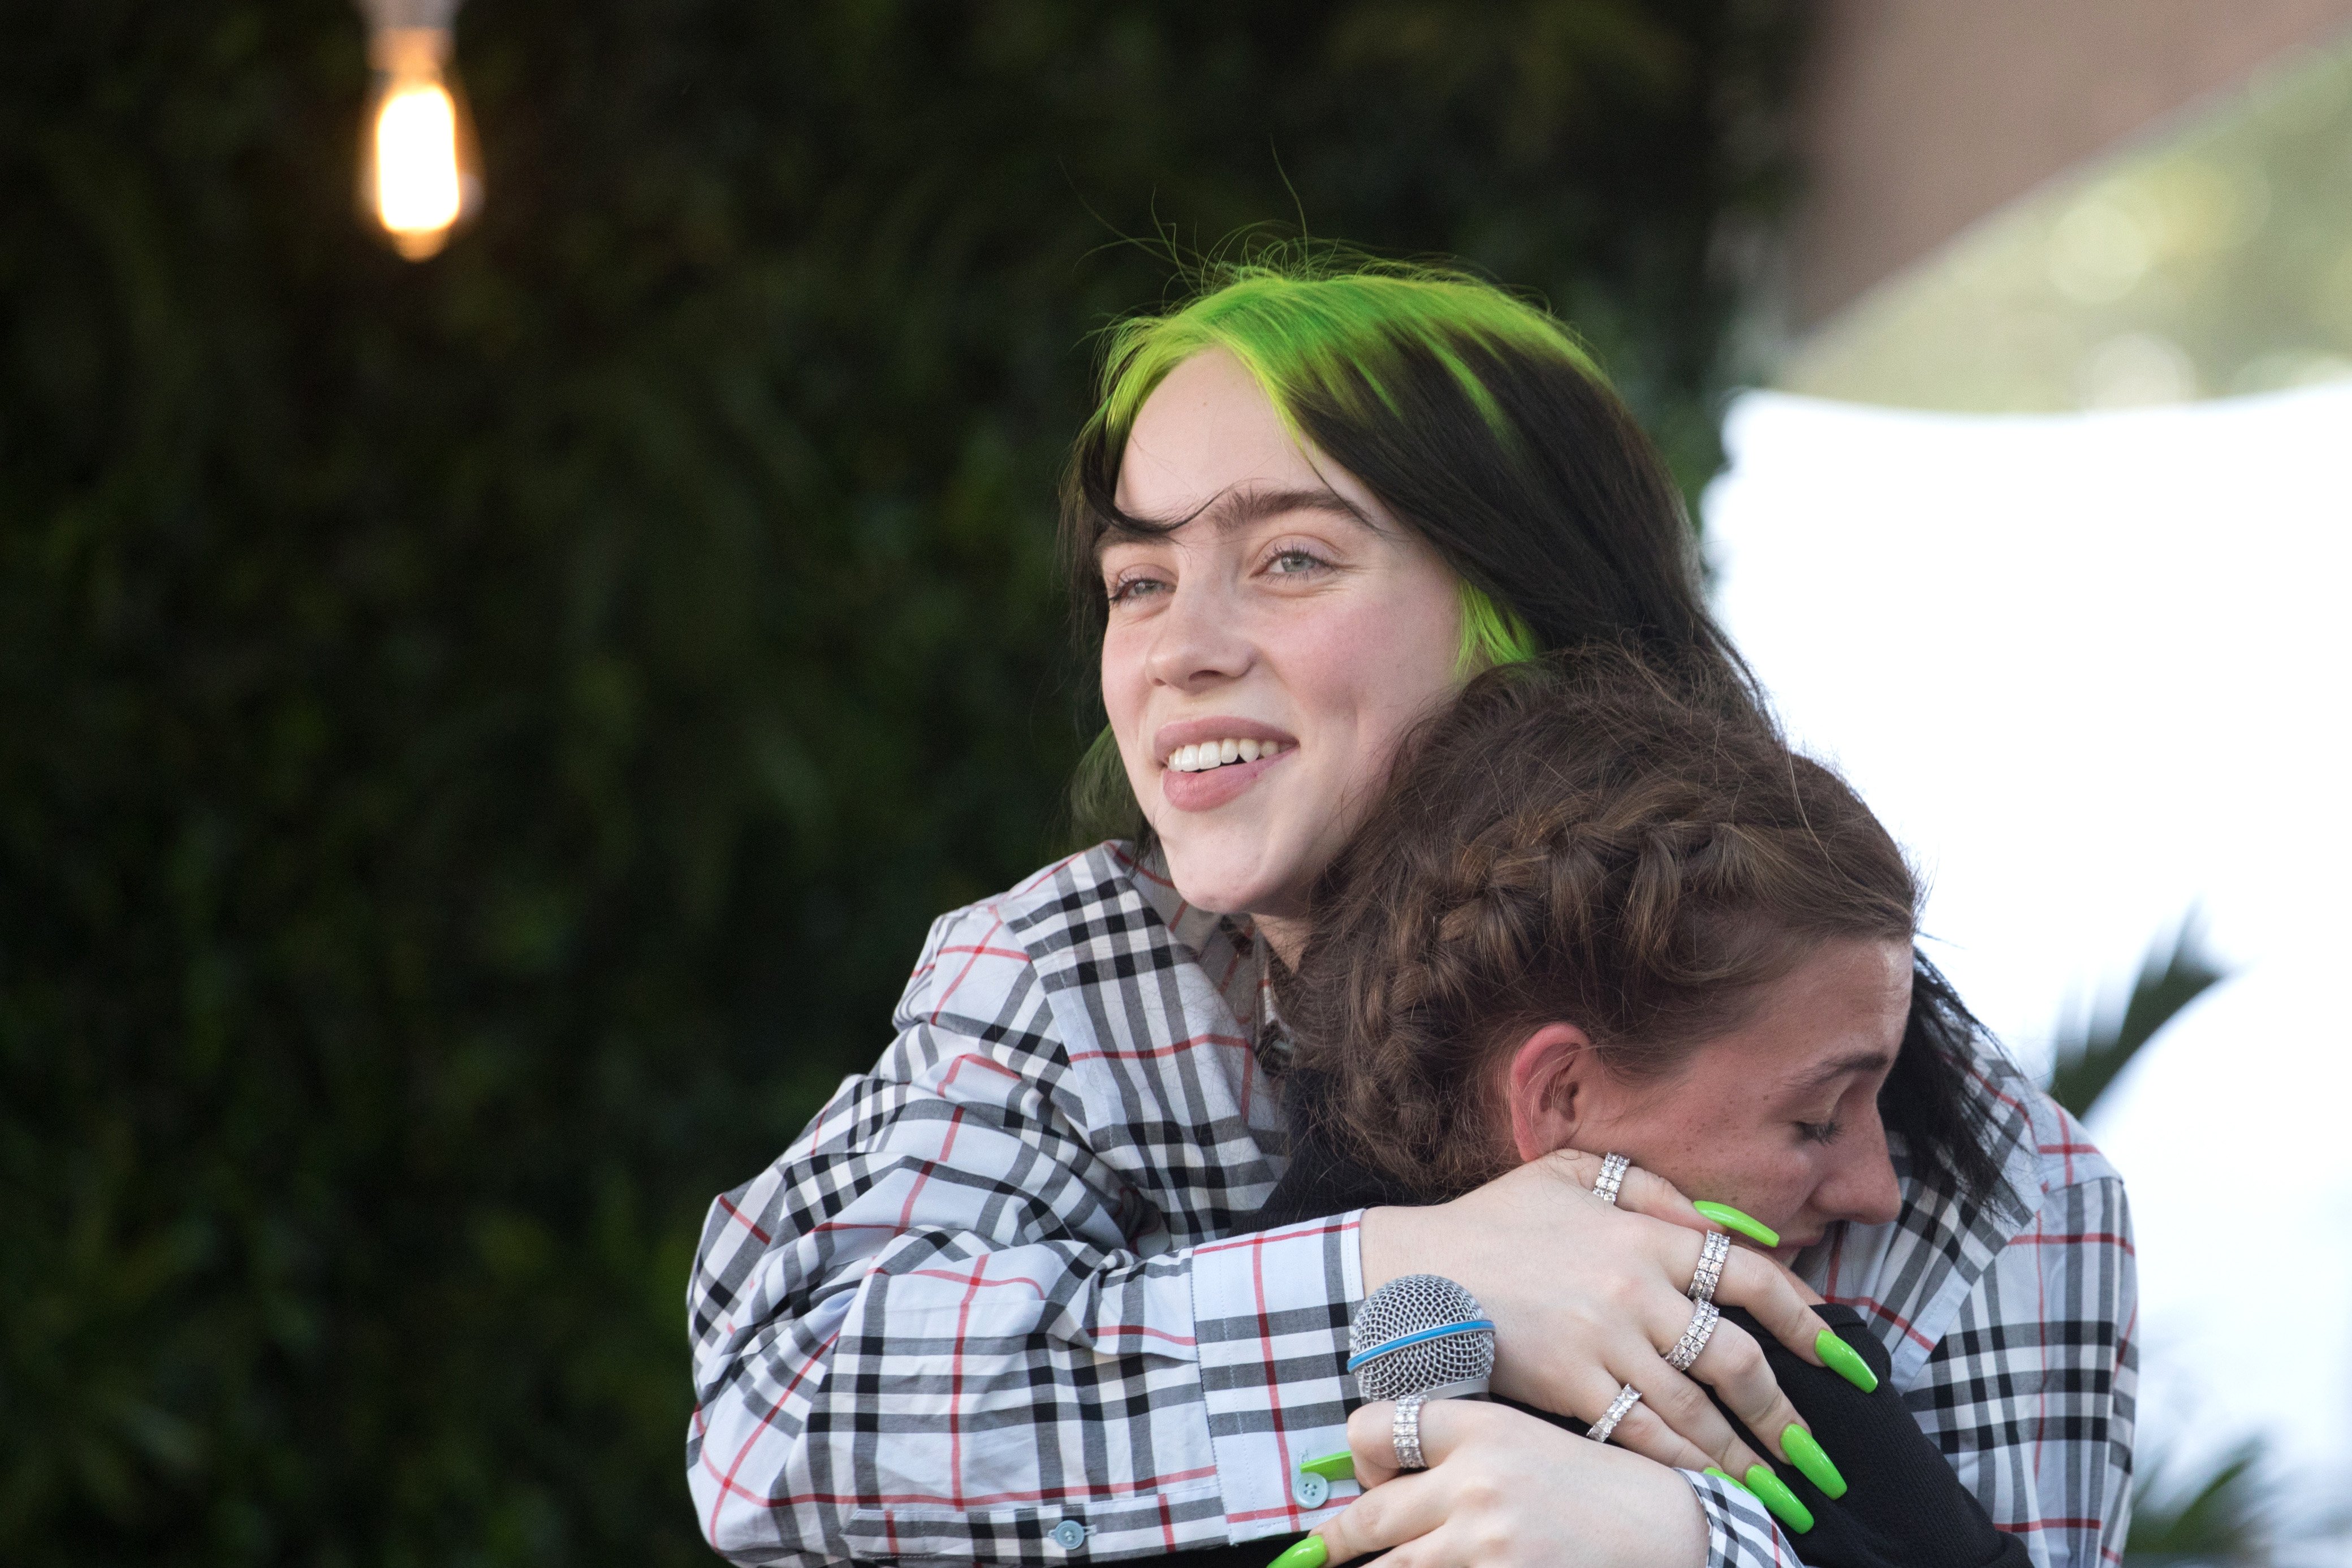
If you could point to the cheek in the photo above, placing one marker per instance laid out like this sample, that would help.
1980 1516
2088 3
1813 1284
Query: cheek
1365 671
1123 681
1730 1159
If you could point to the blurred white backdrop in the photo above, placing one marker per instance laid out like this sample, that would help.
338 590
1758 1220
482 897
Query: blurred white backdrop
2091 670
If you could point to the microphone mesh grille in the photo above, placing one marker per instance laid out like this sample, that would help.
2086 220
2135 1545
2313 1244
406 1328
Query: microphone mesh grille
1407 1305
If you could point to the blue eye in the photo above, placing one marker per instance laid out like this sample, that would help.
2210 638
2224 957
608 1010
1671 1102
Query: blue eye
1131 588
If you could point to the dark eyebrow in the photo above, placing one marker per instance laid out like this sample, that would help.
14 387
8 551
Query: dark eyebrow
1830 1071
1232 510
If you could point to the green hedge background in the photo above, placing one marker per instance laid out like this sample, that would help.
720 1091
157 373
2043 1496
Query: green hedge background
483 739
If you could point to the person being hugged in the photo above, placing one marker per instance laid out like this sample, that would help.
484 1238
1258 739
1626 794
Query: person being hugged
1604 906
1003 1299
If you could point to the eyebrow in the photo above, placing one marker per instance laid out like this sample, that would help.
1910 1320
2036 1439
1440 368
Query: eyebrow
1830 1071
1232 510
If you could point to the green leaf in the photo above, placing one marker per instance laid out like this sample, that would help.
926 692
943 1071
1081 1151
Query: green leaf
2175 973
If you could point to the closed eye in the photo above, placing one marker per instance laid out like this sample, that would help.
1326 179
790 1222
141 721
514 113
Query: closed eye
1817 1132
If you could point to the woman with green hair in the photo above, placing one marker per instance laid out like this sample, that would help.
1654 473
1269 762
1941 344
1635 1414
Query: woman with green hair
999 1301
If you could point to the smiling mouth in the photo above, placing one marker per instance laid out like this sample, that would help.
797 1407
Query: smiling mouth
1213 753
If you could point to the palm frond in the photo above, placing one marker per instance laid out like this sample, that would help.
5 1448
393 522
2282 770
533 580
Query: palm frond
2176 972
2212 1519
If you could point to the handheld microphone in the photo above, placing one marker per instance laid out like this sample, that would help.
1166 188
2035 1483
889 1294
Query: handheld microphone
1421 1333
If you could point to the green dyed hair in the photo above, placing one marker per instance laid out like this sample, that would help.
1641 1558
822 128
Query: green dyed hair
1473 415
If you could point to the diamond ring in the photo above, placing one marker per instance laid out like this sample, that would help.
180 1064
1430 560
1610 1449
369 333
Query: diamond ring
1611 1177
1404 1433
1627 1398
1693 1344
1710 1266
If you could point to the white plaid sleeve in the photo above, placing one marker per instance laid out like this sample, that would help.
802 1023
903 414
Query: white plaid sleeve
1739 1532
971 1313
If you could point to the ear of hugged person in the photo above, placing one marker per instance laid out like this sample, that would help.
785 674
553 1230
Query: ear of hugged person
1458 911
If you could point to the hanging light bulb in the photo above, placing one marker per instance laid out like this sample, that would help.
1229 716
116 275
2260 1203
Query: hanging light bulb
418 174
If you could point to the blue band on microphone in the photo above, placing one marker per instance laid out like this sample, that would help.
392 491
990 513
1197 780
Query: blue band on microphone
1421 1337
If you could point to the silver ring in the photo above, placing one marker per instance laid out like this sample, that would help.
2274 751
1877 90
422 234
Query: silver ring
1693 1344
1710 1266
1611 1177
1404 1433
1627 1398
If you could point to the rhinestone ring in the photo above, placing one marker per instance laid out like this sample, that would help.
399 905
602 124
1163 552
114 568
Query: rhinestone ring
1627 1398
1404 1433
1710 1266
1611 1177
1693 1344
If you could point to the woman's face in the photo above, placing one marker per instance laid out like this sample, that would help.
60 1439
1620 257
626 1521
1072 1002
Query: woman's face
1778 1117
1290 619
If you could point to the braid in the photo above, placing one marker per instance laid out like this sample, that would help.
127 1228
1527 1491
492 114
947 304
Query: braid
1589 838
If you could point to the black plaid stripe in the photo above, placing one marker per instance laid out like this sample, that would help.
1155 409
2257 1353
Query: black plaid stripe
993 1287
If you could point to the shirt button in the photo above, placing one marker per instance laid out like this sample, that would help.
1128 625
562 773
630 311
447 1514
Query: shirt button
1069 1535
1311 1489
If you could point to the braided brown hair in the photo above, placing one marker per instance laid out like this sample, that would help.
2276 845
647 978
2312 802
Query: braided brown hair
1600 838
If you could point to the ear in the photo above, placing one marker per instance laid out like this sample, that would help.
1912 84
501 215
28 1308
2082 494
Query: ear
1547 1073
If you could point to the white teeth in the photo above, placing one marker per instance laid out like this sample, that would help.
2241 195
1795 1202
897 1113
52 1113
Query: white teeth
1211 754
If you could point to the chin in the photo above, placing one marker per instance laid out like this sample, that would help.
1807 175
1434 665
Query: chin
1225 880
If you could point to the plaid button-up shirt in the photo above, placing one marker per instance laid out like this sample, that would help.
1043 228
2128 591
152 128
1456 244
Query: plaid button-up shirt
991 1305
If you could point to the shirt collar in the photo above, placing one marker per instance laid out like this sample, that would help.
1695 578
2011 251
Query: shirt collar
1227 947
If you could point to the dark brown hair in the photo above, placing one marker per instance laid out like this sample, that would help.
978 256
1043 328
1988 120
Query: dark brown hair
1602 839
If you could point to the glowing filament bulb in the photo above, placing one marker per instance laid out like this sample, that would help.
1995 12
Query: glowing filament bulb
418 193
419 178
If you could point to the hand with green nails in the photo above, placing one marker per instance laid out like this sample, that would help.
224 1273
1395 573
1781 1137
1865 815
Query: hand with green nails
1738 1224
1562 1278
1309 1551
1505 1487
1772 1493
1905 1508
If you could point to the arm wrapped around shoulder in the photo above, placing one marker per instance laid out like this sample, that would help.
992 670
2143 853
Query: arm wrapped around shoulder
946 1322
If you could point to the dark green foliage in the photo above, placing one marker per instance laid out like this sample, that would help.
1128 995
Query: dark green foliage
2213 1520
482 740
2173 975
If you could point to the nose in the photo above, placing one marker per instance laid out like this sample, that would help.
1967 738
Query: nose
1198 639
1860 1183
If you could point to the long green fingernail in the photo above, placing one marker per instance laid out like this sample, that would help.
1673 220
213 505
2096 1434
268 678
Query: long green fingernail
1339 1467
1309 1552
1774 1493
1726 1476
1845 1361
1805 1452
1730 1219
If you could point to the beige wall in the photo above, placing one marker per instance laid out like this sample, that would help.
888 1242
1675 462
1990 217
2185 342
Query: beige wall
1919 116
